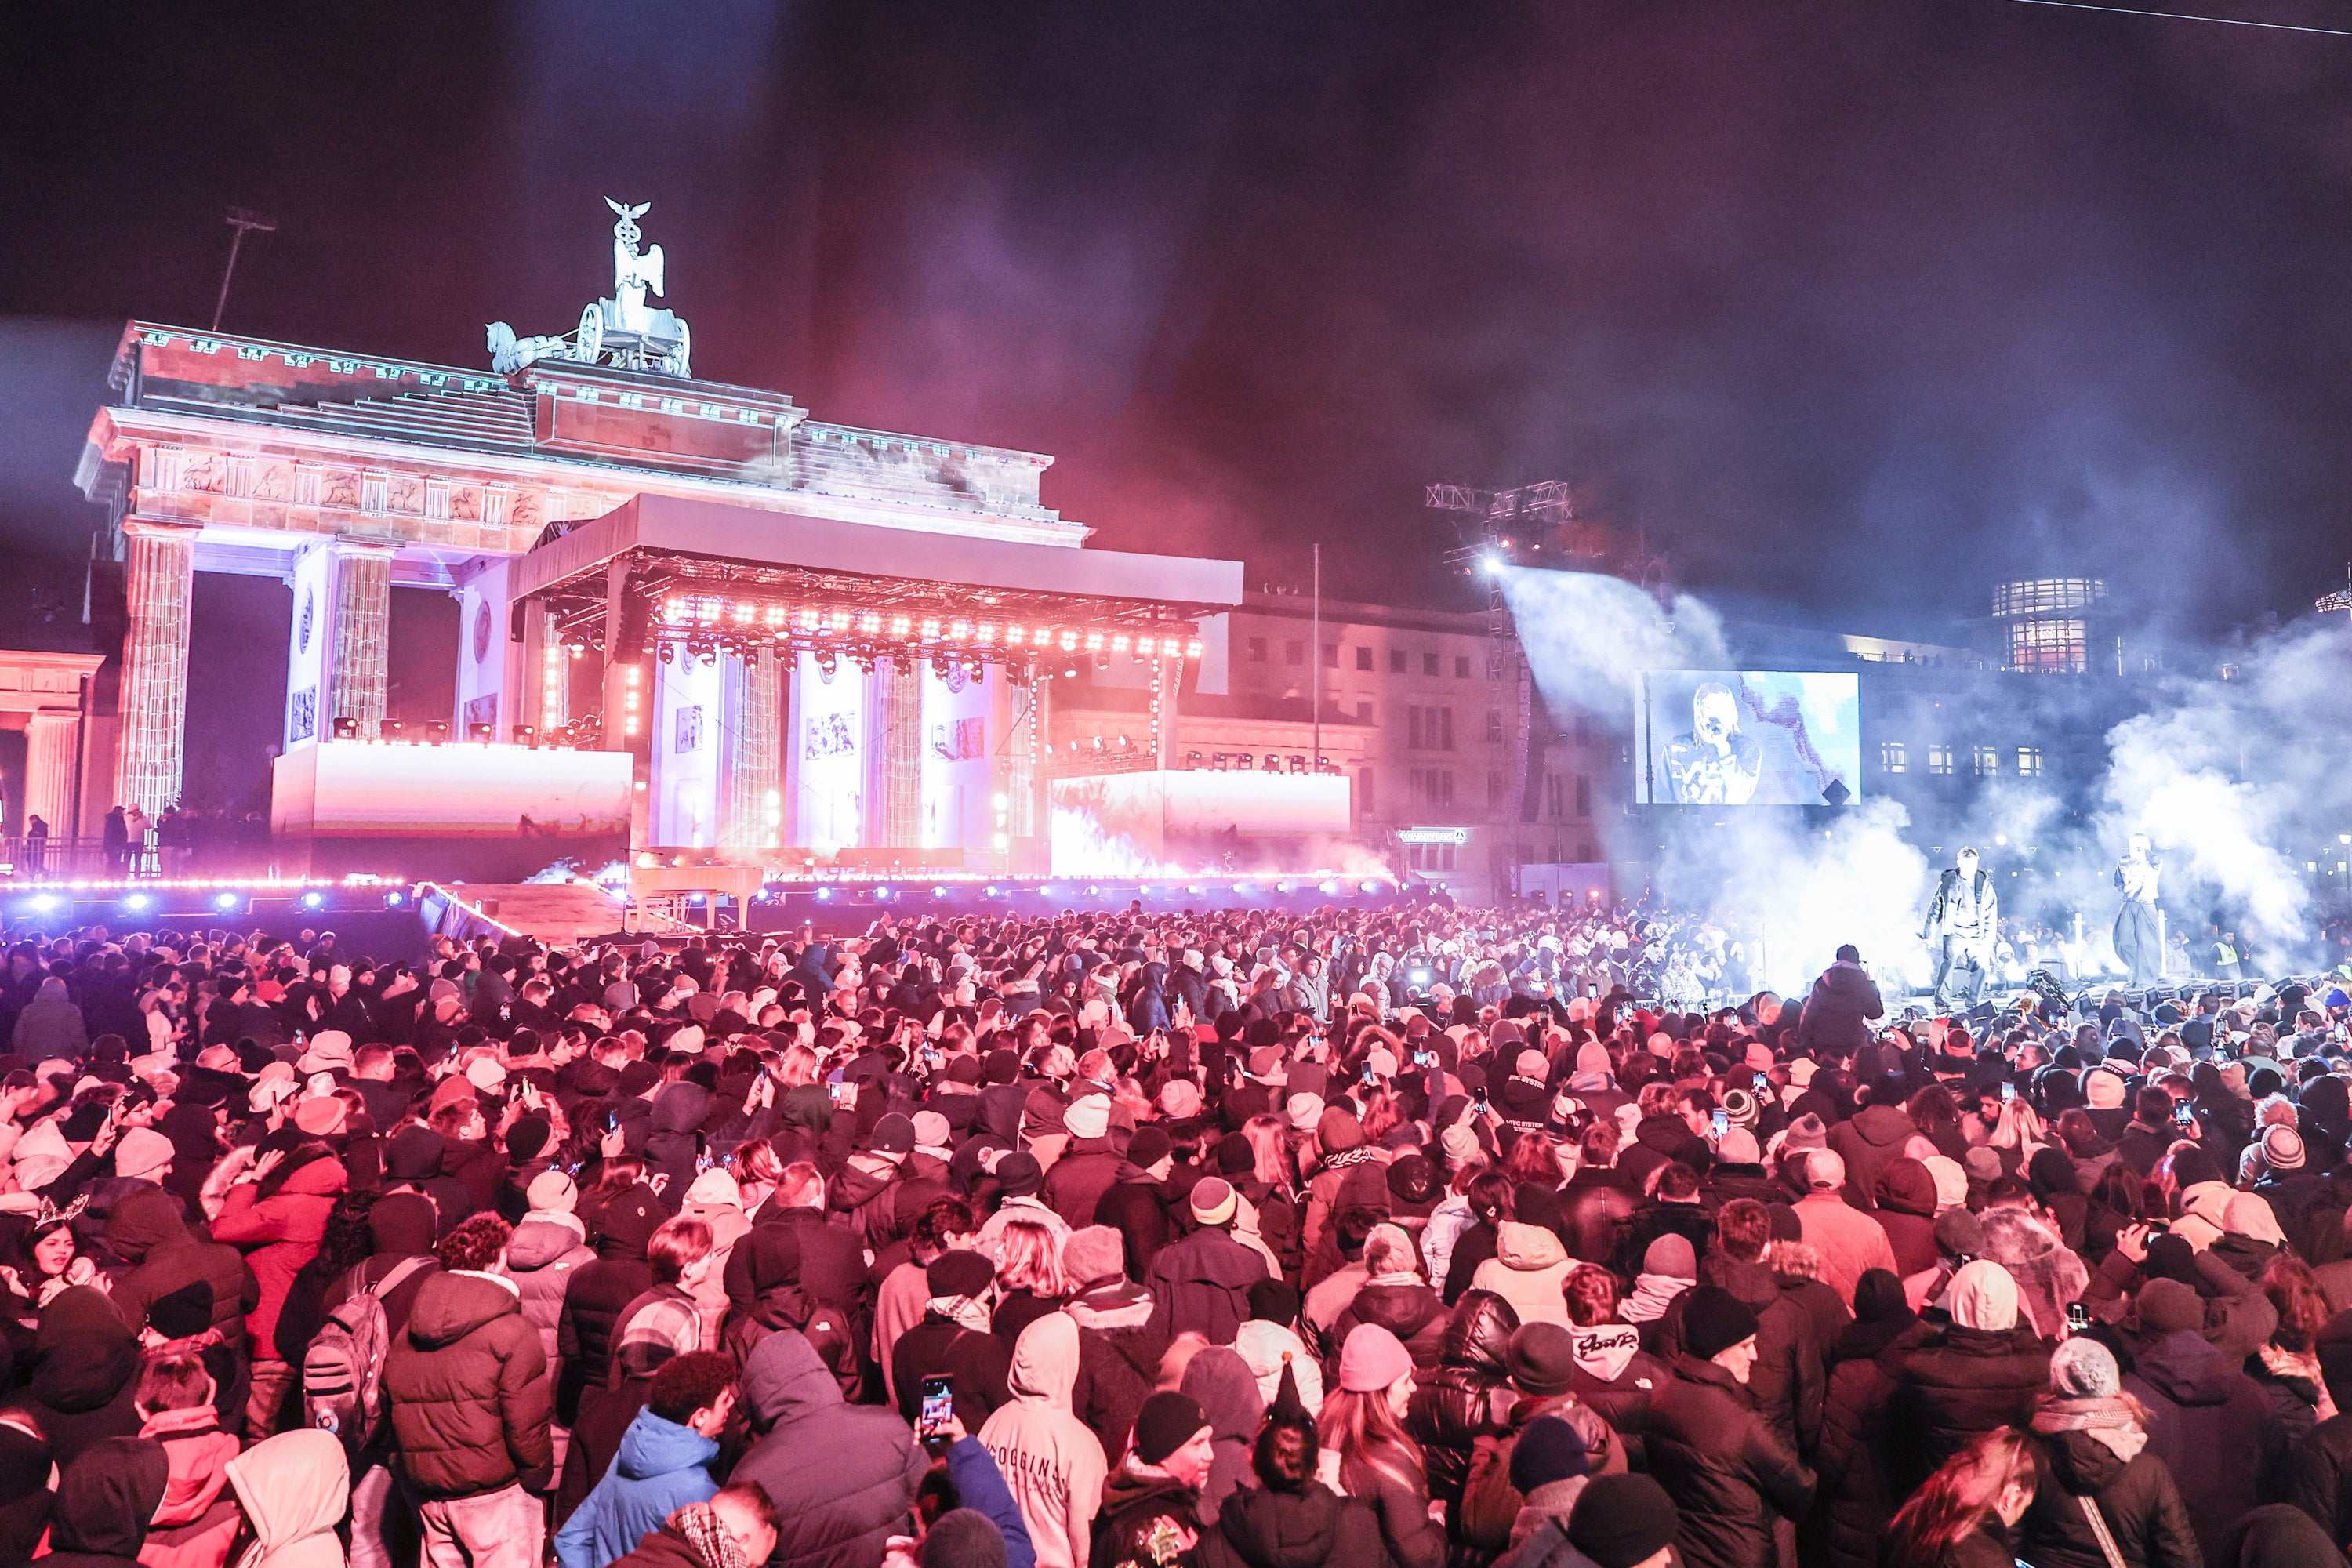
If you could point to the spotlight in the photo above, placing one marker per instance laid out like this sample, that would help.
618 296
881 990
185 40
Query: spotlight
1094 892
827 661
437 731
393 901
824 895
224 902
990 892
314 901
939 892
1371 887
669 653
526 734
1282 887
1329 888
138 903
390 729
42 904
882 891
482 733
1491 564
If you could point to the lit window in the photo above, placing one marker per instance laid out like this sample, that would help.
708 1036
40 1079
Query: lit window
2029 761
1939 759
1891 759
1988 762
2049 645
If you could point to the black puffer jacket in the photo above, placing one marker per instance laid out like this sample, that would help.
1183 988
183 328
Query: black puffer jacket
1953 1384
1411 1311
1838 1010
468 1389
1728 1472
1786 1386
1469 1395
1594 1209
842 1476
1260 1528
85 1376
2141 1506
1856 1502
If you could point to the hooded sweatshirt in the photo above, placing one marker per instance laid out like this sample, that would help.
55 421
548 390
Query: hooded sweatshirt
103 1504
294 1489
85 1376
1220 1382
541 1256
1052 1463
1527 1270
660 1469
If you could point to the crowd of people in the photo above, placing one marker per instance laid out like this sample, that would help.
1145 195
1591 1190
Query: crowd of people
1245 1239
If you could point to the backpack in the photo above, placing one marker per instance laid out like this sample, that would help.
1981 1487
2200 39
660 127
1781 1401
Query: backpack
343 1369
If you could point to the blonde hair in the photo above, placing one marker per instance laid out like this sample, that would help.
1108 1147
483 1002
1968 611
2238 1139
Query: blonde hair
1029 1258
1269 1142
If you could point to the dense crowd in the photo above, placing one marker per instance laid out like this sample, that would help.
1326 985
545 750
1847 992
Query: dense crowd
1420 1238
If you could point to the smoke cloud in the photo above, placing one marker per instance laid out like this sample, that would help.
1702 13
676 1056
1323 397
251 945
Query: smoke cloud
2236 776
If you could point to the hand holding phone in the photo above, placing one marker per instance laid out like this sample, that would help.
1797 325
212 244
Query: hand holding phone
937 1410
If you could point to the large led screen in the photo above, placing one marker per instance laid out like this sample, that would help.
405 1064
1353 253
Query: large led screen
1713 737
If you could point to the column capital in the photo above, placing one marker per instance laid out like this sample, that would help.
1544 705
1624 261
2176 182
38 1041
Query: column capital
160 528
363 546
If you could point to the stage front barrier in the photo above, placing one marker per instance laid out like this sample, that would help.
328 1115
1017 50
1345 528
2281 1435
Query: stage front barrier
474 810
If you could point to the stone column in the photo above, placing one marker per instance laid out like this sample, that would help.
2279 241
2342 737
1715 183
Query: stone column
895 704
754 787
362 635
49 740
159 580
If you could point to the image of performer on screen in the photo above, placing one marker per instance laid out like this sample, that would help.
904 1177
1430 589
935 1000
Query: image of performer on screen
2137 942
1716 763
1963 923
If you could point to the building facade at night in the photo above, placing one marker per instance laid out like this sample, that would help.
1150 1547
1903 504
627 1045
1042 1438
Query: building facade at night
815 645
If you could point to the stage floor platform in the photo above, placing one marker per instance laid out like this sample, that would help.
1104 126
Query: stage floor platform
556 913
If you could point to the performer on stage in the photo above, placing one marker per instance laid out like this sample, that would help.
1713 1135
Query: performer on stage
2137 943
1714 761
1966 917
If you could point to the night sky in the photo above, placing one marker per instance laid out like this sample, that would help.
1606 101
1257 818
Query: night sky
1850 306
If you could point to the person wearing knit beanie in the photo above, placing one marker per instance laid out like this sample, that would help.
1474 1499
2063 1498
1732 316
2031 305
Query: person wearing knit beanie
2168 1307
1372 1360
552 1192
1718 1326
2084 1369
143 1154
1623 1521
1548 1450
1169 1421
1212 1201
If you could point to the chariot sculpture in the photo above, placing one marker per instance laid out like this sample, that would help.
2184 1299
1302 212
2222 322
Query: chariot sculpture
622 332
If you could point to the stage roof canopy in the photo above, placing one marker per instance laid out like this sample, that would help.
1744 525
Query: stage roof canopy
681 546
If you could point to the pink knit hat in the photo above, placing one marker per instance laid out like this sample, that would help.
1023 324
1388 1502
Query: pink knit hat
1373 1358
